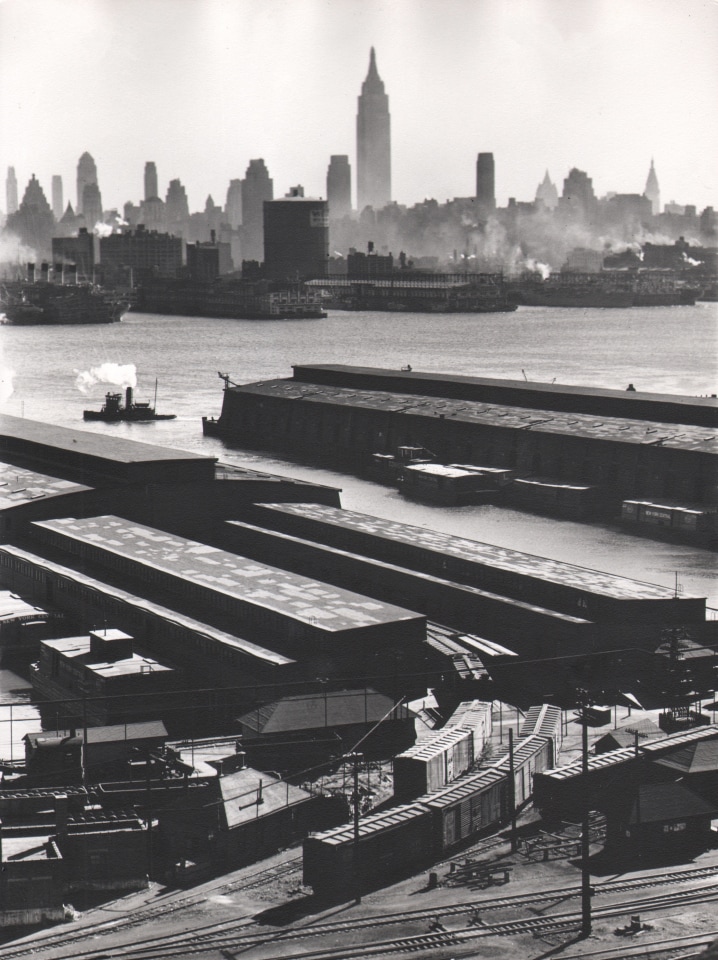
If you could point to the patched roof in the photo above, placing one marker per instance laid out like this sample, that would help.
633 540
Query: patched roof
250 794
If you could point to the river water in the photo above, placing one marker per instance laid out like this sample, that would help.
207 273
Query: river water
664 349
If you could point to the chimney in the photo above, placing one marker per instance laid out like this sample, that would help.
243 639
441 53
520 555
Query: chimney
71 273
213 236
31 273
260 798
61 807
44 271
58 274
128 397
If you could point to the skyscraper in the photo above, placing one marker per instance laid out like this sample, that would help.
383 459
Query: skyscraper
339 186
91 205
546 193
151 189
33 222
257 187
57 202
233 205
176 209
485 188
373 142
652 190
86 174
11 191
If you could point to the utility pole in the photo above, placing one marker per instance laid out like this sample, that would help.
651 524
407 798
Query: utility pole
355 799
512 790
585 869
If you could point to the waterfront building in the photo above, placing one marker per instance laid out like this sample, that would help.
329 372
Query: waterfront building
339 187
151 188
257 188
144 252
78 250
57 198
652 190
485 184
296 237
373 141
11 191
86 174
207 261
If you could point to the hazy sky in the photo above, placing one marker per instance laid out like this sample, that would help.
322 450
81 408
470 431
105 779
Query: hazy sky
202 86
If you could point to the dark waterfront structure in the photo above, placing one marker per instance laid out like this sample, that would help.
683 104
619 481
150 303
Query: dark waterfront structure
136 255
339 187
485 186
78 250
296 237
373 142
629 444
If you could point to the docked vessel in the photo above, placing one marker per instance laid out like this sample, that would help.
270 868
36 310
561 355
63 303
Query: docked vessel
230 299
114 411
419 293
55 303
609 288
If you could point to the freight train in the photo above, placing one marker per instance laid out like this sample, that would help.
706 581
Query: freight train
411 836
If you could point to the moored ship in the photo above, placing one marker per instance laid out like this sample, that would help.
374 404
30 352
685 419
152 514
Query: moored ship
230 299
54 303
114 411
609 288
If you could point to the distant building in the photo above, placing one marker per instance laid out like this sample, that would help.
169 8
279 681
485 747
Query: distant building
583 260
296 237
578 199
78 250
339 186
367 266
33 222
233 204
207 261
57 199
257 187
11 191
628 210
151 188
151 214
485 183
373 142
86 174
546 193
176 209
652 191
92 205
143 252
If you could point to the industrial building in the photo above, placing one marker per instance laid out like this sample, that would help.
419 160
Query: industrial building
296 237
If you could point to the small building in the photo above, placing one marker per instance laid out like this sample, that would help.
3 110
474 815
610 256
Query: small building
661 818
31 889
628 735
248 815
297 730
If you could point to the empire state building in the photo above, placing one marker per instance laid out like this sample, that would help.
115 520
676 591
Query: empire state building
373 142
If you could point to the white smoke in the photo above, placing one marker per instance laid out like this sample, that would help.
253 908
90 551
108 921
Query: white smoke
691 261
535 266
117 374
102 229
14 255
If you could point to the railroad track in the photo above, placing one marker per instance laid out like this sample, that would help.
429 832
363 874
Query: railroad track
235 935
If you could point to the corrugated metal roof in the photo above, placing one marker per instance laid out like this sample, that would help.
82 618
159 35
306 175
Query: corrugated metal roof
335 708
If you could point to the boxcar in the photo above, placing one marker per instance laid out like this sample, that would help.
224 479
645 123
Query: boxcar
434 762
531 755
392 843
560 792
545 720
474 715
468 807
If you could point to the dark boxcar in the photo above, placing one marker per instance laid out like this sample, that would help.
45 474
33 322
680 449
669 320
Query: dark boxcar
472 805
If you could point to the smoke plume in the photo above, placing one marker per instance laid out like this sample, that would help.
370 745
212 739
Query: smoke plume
117 374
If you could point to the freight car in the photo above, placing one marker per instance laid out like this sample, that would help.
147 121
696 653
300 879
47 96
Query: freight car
545 720
409 837
450 752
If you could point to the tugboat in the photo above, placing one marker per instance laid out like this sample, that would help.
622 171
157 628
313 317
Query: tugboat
113 411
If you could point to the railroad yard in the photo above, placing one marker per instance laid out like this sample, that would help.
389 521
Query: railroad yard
489 900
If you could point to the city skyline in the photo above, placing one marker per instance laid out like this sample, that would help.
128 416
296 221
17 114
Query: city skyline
217 83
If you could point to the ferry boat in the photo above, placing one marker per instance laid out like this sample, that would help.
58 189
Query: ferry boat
114 411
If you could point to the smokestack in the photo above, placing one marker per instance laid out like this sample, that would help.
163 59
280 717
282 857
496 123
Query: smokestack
31 273
213 236
128 397
58 273
260 798
61 809
44 271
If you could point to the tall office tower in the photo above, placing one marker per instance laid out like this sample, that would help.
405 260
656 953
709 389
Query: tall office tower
339 186
373 142
578 199
257 187
151 189
652 190
11 191
546 193
485 187
57 203
176 208
296 237
233 206
86 174
91 205
33 222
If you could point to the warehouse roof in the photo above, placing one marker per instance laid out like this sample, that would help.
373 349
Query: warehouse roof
684 437
20 485
78 649
250 794
334 708
446 544
325 607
